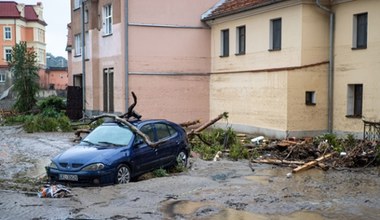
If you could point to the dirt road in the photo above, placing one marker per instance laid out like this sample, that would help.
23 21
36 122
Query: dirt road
208 190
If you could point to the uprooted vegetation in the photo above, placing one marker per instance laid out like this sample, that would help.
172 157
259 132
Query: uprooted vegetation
325 151
48 116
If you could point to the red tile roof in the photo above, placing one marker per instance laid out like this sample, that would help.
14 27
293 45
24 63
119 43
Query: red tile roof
229 7
8 9
30 14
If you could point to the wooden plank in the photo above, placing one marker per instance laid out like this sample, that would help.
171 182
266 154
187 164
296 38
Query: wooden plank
312 163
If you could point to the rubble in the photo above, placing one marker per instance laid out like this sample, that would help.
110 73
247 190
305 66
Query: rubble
302 154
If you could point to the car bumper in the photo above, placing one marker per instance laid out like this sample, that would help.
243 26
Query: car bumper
82 177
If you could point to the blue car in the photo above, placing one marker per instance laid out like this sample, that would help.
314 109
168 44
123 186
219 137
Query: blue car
112 153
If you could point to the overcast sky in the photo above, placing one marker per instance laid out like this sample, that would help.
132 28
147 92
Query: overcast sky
57 16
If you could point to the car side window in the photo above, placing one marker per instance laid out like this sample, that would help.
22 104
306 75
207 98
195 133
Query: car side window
164 131
148 130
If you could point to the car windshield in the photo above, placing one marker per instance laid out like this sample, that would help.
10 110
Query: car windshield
109 135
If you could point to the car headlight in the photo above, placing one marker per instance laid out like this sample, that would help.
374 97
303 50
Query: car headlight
52 165
94 167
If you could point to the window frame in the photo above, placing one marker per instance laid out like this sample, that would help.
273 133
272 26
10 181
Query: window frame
7 32
7 53
77 4
310 98
275 34
241 40
78 45
2 77
107 20
355 100
360 31
224 43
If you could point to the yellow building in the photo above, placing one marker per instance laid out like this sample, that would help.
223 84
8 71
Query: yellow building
295 67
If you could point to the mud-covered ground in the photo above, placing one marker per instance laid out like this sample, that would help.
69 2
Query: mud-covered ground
208 190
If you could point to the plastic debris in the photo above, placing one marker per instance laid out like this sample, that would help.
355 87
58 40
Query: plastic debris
54 191
288 175
257 140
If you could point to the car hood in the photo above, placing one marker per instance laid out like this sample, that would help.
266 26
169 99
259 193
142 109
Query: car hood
82 155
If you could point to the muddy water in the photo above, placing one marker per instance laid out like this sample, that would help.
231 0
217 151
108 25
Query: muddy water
208 190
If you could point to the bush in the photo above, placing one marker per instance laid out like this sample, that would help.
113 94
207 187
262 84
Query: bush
219 140
40 122
52 103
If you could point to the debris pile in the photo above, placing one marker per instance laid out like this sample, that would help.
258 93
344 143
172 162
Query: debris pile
323 151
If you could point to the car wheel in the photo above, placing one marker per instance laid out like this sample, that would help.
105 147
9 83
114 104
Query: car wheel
123 175
182 159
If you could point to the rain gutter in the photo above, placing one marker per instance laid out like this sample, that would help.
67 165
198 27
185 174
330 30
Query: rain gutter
126 65
330 96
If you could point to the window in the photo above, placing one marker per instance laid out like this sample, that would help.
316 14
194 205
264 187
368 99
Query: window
162 131
41 35
41 56
310 98
78 45
77 4
2 77
86 16
275 34
7 33
240 36
108 104
107 20
354 100
148 131
8 54
360 31
225 46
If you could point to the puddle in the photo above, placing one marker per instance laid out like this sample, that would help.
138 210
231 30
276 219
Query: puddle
39 168
209 211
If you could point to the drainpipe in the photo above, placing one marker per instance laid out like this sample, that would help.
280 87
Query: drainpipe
83 58
330 98
126 67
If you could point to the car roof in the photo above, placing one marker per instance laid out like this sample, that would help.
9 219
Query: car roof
139 123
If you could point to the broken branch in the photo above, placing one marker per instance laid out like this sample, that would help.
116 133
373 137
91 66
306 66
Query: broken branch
206 125
312 163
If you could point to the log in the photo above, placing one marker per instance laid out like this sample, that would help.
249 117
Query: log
189 123
206 125
312 163
278 162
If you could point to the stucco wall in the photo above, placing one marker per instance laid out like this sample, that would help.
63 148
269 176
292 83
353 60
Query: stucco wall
257 25
303 119
253 99
177 98
356 66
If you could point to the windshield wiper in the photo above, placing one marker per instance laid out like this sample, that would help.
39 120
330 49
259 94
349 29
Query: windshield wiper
110 143
88 142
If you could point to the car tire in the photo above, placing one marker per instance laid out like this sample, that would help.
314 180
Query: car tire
182 159
123 174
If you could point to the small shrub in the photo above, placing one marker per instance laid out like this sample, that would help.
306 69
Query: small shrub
40 122
52 103
220 140
160 172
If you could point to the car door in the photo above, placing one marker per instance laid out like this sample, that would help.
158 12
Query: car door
168 149
145 158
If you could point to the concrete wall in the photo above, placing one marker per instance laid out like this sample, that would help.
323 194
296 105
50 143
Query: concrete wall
356 66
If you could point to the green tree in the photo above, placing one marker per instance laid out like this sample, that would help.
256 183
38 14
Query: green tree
25 76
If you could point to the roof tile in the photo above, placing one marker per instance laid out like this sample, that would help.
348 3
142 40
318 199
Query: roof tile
234 6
